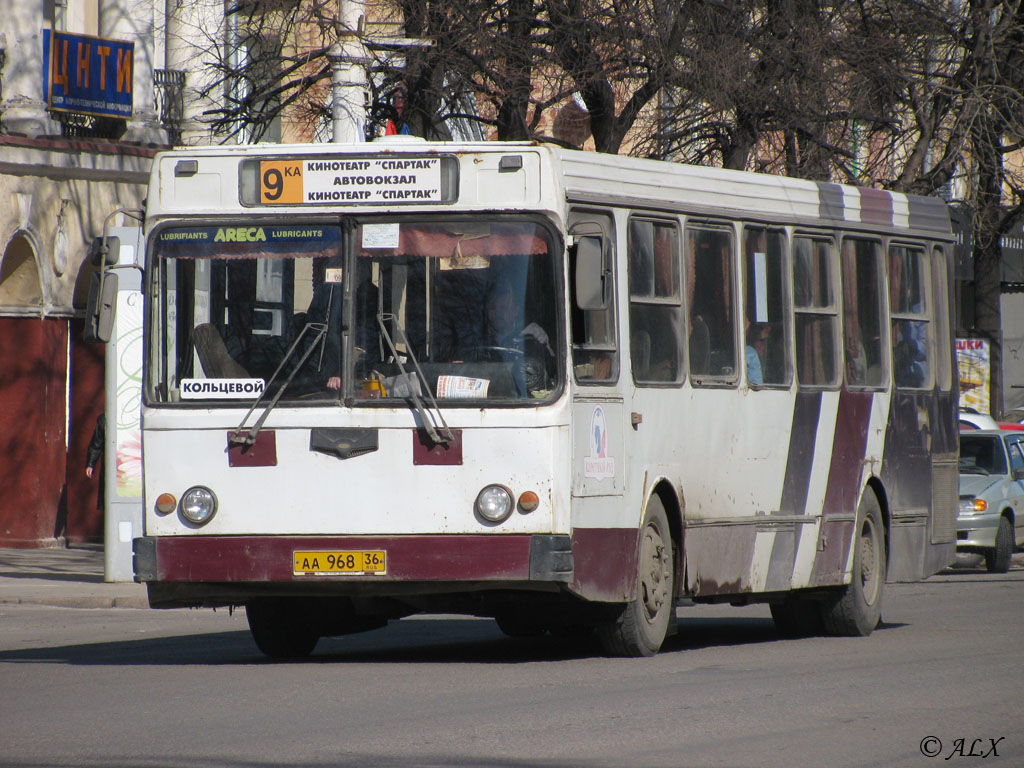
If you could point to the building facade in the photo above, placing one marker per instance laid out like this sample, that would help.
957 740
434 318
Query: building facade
78 129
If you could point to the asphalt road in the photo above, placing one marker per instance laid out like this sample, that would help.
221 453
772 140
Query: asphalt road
127 687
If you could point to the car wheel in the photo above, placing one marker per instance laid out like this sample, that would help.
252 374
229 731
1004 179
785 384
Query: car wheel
642 625
997 560
857 608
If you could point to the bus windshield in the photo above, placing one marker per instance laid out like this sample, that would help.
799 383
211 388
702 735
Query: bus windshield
315 312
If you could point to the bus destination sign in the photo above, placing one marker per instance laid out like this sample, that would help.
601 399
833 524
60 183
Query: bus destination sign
364 180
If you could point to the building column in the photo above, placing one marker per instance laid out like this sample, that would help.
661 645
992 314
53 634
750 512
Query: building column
132 20
22 106
191 28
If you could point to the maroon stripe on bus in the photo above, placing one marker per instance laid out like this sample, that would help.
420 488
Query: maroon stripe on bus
802 435
604 563
409 558
719 558
875 207
842 494
848 447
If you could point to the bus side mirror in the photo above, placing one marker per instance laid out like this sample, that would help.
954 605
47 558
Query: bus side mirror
99 312
590 273
105 254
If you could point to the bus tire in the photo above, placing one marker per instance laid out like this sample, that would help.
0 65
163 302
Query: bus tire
281 629
997 559
856 610
642 625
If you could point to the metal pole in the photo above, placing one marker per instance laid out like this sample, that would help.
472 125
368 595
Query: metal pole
348 76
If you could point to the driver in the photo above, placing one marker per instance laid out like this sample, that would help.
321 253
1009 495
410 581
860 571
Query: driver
505 322
506 336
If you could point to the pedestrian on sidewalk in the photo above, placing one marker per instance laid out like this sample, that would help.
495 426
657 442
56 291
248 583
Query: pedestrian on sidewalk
94 455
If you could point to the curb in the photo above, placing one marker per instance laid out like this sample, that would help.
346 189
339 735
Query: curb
79 602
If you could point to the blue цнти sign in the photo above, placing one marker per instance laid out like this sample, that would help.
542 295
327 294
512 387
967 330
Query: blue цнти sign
89 75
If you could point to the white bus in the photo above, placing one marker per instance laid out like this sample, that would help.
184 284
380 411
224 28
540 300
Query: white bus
561 389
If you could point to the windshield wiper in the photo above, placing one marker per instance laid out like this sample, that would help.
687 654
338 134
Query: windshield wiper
249 438
425 417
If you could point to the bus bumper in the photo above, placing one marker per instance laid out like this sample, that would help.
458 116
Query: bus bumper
255 560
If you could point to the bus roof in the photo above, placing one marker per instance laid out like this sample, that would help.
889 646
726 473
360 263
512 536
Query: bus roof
201 180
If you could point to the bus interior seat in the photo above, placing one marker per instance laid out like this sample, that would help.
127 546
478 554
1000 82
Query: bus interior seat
213 354
640 352
700 346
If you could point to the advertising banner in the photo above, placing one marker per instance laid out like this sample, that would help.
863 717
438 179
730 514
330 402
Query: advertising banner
973 366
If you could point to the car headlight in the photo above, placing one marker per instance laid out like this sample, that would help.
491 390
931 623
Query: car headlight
972 506
494 503
198 505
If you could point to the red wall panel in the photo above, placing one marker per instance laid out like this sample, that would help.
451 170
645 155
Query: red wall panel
33 363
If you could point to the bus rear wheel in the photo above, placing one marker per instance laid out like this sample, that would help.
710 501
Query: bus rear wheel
857 609
642 625
281 628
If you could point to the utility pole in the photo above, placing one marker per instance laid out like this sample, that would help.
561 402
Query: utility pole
348 75
350 62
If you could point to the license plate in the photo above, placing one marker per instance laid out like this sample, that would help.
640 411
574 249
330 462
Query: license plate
333 562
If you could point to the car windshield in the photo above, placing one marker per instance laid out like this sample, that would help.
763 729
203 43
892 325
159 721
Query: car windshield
317 312
982 454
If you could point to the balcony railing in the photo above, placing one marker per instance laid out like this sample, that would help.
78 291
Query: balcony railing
169 88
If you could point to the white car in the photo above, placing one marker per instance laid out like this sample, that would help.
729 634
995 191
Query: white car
991 517
975 420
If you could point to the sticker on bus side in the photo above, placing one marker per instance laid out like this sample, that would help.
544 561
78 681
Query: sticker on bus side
598 465
221 389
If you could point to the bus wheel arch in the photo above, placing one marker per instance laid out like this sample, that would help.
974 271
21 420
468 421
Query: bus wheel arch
671 503
856 609
874 484
642 624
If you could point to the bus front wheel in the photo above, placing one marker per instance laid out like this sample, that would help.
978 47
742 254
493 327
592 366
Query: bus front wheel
857 609
642 625
281 628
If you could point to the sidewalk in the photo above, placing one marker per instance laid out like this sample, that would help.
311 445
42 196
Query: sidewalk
67 578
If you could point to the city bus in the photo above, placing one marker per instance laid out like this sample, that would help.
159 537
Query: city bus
565 390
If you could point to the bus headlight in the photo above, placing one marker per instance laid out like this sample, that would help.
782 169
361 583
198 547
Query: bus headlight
494 503
198 505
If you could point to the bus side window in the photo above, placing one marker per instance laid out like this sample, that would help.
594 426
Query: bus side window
943 329
908 309
655 302
815 312
710 302
594 353
862 312
765 308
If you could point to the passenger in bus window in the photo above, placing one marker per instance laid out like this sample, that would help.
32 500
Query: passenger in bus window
757 343
908 353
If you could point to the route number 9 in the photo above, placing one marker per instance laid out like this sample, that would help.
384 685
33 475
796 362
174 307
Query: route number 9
273 183
281 182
